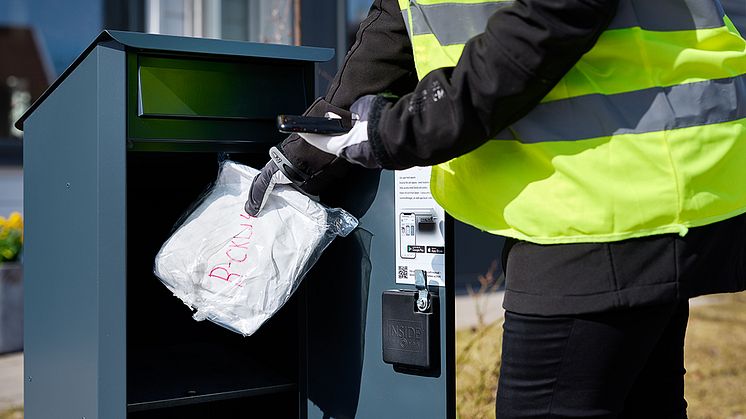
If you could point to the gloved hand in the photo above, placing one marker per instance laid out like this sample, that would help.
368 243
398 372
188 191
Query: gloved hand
354 145
295 162
265 181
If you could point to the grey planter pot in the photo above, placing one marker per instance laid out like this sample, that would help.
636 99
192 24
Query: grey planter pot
11 307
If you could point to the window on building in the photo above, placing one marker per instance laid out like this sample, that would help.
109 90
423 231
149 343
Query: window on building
271 21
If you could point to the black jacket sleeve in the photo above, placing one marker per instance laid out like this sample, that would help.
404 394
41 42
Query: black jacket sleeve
379 61
502 74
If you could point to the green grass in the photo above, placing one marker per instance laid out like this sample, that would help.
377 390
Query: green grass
16 413
715 355
716 359
477 369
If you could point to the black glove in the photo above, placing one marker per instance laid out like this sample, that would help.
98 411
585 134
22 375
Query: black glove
296 162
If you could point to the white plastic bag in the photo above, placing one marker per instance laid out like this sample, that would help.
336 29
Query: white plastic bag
237 270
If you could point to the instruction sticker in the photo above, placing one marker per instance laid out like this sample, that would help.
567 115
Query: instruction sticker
420 228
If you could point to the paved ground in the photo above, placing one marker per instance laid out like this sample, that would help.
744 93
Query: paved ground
491 307
11 381
468 308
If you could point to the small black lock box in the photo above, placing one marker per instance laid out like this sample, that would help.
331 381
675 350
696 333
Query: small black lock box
410 337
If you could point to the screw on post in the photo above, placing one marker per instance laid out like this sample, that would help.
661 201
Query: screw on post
423 294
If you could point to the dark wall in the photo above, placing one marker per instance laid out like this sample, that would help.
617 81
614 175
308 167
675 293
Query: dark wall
323 24
124 15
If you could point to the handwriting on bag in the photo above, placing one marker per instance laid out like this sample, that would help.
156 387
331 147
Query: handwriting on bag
237 253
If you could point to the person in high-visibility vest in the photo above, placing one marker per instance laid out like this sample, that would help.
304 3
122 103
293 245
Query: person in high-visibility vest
606 138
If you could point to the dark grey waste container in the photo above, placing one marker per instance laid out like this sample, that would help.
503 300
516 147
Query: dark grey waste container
114 152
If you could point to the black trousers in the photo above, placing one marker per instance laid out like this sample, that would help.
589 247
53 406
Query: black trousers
616 364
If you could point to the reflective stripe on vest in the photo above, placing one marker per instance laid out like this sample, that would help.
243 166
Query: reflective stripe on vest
438 18
645 135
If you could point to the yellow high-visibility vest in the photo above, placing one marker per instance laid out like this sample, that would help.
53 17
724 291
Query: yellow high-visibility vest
645 135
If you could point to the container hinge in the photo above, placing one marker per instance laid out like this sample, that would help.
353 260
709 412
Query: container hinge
423 294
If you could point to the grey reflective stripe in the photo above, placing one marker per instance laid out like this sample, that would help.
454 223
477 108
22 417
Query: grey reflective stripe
638 112
668 15
452 23
405 16
456 23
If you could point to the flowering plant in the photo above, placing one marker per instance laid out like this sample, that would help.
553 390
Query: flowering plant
11 237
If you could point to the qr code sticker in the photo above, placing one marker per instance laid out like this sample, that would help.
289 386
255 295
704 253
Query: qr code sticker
403 272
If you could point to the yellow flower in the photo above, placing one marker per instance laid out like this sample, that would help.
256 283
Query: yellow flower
11 237
15 221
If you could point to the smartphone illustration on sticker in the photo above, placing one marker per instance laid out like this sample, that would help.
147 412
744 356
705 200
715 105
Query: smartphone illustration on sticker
407 236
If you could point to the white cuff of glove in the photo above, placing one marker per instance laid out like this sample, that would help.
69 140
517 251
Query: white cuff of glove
334 144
